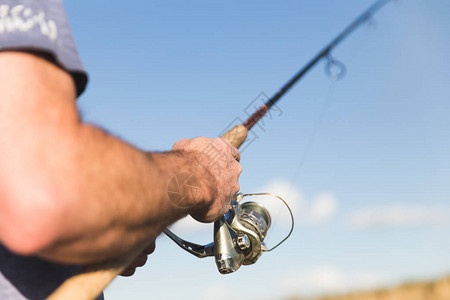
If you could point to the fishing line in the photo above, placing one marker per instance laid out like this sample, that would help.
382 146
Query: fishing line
312 137
334 69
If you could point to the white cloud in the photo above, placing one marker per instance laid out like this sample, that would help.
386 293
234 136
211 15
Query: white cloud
400 215
322 208
326 280
282 188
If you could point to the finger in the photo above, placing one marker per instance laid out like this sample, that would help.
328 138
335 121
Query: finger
237 188
180 145
234 151
150 249
128 272
236 154
226 207
140 260
239 168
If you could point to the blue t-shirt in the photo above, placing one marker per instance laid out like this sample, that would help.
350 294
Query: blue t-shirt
41 26
37 26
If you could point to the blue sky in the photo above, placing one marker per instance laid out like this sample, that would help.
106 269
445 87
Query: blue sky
364 160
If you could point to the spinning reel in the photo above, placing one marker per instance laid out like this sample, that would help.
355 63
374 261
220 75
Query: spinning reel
238 236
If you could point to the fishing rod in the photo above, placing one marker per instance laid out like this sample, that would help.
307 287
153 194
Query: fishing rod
249 217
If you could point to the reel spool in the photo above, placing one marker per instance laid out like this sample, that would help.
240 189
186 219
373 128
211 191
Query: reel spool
238 236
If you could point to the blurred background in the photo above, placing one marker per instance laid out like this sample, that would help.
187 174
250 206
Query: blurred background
364 161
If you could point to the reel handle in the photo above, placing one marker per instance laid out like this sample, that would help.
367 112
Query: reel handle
92 280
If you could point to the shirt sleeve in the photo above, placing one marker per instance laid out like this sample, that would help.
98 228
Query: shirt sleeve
41 26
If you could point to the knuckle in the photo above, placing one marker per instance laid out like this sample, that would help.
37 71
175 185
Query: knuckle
225 143
150 249
142 261
128 272
180 144
226 208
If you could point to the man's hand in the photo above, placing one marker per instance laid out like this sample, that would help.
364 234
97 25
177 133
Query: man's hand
139 261
219 162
